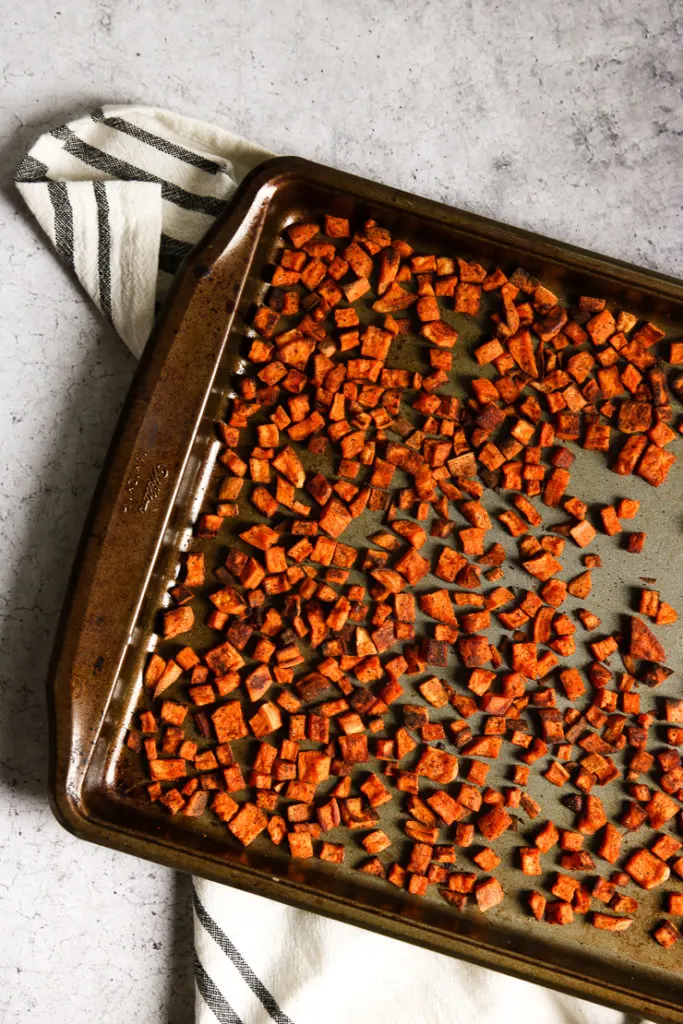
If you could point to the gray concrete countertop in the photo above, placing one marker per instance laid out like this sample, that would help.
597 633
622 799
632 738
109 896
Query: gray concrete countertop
566 118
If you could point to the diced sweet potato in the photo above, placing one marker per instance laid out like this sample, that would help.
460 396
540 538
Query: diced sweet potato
646 870
644 643
610 923
488 893
666 934
248 823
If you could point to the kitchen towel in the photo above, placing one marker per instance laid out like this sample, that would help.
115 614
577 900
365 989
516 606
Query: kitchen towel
123 195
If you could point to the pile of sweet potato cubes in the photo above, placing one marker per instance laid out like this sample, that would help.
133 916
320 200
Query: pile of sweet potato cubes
313 708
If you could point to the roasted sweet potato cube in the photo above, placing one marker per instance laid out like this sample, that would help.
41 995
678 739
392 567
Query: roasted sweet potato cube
375 842
437 765
537 904
224 807
474 651
610 844
543 566
665 846
177 620
646 870
448 809
547 837
610 923
332 852
559 912
449 564
172 801
267 719
467 298
530 860
300 844
494 823
660 809
248 823
228 722
375 791
336 227
675 903
655 464
601 327
592 816
335 518
644 644
164 770
413 566
564 887
313 766
666 934
525 659
488 893
438 604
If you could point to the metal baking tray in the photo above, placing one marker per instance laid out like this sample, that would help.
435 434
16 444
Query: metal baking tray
158 473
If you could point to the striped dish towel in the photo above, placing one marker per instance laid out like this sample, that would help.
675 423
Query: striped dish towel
123 195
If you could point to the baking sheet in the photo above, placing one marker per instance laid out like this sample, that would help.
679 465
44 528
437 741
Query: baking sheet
161 473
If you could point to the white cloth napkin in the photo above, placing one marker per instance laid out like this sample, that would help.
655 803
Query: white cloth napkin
122 195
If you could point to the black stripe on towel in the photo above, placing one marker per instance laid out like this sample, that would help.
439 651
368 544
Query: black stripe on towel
124 171
212 995
230 950
64 220
156 142
103 247
172 253
30 170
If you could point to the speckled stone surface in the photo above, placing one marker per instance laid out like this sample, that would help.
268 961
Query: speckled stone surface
566 118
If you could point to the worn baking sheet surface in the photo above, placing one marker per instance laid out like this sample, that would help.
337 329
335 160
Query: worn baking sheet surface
628 969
